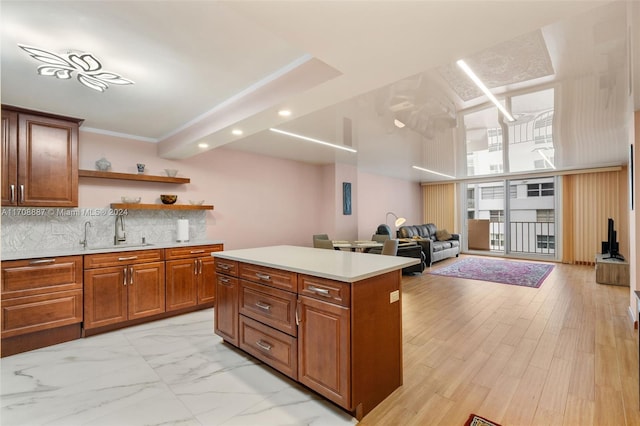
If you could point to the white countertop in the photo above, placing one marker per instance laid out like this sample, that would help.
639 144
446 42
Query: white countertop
337 265
35 254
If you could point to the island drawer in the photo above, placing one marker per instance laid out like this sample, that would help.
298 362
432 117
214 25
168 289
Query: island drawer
224 266
40 276
328 290
191 251
269 276
102 260
274 348
271 306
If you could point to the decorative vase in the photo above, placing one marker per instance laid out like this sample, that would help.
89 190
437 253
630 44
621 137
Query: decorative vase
103 164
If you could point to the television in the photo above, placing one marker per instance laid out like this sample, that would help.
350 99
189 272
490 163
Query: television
610 247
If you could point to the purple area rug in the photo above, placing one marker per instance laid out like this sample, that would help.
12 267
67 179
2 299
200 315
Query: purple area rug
525 274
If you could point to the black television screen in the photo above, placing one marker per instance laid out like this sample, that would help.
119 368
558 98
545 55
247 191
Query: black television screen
610 248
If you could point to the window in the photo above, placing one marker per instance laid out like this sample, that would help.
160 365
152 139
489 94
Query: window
496 216
495 168
492 192
547 242
494 138
483 141
545 215
540 189
513 191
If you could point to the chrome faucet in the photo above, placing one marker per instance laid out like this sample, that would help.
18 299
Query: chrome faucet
120 236
83 243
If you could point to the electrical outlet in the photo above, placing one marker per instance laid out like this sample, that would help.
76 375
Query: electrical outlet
394 296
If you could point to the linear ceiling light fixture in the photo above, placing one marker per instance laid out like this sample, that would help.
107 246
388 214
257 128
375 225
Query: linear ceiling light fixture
432 172
308 139
63 65
462 64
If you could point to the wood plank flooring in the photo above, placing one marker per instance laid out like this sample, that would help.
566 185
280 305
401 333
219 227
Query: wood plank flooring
564 354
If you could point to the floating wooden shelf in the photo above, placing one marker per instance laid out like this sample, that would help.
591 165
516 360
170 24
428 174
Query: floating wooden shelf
131 176
160 206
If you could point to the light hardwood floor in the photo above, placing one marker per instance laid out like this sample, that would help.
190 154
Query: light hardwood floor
563 354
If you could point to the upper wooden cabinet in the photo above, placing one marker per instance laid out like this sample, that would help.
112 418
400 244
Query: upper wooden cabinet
39 159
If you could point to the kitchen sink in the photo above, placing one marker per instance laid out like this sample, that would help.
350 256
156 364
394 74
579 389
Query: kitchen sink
120 246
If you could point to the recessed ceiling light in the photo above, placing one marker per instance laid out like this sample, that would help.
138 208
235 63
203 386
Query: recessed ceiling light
284 113
399 124
85 65
306 138
462 64
203 145
236 132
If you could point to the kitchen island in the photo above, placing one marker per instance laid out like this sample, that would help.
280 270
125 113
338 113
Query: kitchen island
331 320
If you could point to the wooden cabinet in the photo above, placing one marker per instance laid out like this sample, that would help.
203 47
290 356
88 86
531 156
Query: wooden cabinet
190 276
39 159
41 302
340 339
226 303
123 286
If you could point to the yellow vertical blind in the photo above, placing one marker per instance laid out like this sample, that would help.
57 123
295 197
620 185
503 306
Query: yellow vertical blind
589 199
440 205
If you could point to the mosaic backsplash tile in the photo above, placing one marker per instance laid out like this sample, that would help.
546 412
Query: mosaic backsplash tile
51 228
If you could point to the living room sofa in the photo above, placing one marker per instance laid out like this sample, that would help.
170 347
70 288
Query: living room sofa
436 244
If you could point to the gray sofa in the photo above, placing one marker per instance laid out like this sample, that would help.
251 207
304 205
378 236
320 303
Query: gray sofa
433 248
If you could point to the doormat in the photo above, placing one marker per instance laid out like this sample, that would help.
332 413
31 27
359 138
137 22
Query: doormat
475 420
525 274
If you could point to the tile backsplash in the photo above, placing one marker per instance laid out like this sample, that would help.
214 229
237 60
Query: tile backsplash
50 228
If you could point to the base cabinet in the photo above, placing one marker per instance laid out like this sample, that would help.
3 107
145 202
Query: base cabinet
328 372
342 340
123 286
190 276
41 302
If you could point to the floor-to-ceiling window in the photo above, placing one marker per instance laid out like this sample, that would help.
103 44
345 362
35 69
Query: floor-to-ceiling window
516 216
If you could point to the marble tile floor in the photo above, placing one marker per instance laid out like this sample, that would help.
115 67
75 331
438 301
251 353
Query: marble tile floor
170 372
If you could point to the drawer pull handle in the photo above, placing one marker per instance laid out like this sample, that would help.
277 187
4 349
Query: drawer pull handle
125 276
197 251
263 345
41 261
12 188
131 276
224 266
128 258
320 291
263 276
263 305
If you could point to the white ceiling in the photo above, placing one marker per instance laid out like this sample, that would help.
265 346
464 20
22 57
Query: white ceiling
202 68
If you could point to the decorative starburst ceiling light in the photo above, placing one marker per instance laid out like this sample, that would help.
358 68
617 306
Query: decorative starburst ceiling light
87 67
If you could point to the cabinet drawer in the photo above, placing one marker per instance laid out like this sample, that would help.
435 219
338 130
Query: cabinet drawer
101 260
41 312
277 349
191 251
271 306
269 276
324 289
38 276
229 267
